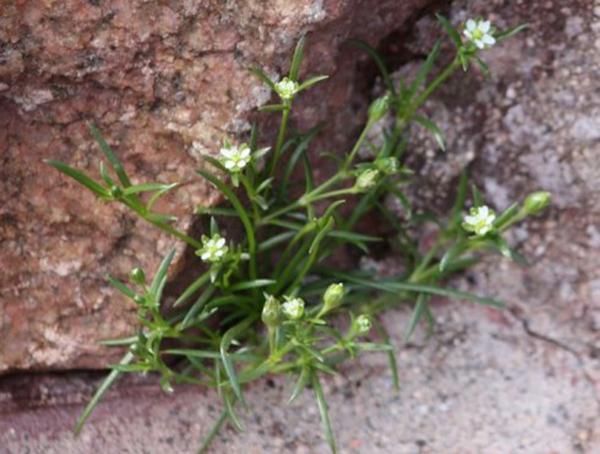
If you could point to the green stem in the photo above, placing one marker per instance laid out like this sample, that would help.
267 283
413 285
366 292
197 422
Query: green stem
445 74
363 135
337 192
280 139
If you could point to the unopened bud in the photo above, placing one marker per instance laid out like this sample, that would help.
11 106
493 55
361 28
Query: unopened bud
389 166
333 296
271 313
140 300
367 179
137 276
116 192
379 108
536 202
362 324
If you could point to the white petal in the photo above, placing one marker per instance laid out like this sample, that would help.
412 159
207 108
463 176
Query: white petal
470 219
245 152
483 211
471 25
205 256
489 40
220 242
479 44
226 152
220 253
229 164
485 26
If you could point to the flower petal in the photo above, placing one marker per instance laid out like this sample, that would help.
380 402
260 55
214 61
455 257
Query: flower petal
489 40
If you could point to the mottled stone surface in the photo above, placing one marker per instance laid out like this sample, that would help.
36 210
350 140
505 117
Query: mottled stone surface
481 384
156 77
533 125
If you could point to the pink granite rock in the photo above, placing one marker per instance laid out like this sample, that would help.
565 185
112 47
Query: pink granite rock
156 77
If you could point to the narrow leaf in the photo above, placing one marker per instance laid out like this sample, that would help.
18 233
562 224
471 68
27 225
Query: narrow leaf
110 156
297 58
425 69
263 76
510 32
312 81
433 129
378 59
452 32
80 177
416 315
106 384
324 412
160 278
256 283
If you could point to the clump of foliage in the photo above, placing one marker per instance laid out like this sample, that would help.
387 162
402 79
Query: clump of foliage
266 302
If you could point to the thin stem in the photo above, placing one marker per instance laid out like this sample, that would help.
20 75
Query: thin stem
445 74
337 192
357 145
280 139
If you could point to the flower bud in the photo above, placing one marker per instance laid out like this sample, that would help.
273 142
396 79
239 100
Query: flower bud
271 313
362 324
379 107
333 297
140 300
116 192
536 202
366 180
389 166
137 276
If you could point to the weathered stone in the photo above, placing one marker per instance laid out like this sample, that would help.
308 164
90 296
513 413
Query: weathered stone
532 125
156 77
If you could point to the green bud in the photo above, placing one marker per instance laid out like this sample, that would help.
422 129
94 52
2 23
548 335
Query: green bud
137 276
333 297
379 107
116 192
367 179
389 166
140 300
271 313
362 324
536 202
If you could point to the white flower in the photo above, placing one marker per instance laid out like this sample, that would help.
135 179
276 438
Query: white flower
235 158
480 220
293 308
213 249
286 88
479 32
363 324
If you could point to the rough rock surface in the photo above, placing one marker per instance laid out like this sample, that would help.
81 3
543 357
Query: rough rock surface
535 124
481 384
156 76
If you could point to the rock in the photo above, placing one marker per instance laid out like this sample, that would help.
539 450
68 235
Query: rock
155 77
534 124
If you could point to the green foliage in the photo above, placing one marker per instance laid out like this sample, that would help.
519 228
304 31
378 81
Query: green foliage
276 279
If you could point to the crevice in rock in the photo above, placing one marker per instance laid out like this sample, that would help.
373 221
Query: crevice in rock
525 323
